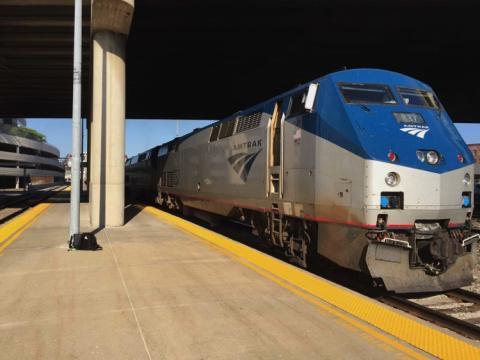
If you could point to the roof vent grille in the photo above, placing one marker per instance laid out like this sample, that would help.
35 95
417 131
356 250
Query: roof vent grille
248 122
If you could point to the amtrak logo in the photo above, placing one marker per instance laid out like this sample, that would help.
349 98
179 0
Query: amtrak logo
416 131
242 163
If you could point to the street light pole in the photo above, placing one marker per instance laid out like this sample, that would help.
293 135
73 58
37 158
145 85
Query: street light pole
76 122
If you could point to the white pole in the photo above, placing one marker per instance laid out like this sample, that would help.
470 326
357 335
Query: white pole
76 122
17 179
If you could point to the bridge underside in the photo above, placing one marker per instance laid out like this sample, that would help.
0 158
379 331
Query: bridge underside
211 58
207 59
36 57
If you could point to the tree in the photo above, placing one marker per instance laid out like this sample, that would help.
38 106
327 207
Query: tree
27 133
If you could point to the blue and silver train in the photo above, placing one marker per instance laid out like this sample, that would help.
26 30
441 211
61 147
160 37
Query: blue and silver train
363 167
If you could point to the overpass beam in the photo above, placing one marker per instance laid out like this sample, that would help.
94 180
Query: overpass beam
110 26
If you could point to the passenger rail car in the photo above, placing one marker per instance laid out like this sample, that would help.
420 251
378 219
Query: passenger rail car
363 167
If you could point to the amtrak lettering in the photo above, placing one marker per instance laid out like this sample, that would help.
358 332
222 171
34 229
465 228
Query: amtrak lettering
248 145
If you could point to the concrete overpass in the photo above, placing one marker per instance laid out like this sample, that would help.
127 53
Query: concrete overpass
207 59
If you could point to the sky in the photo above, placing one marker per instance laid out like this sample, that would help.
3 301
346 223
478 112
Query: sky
144 134
140 134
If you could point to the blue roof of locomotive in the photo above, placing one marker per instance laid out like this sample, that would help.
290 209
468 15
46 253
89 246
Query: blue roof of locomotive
371 131
371 134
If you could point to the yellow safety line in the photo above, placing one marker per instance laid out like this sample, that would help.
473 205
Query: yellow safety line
13 229
413 332
326 307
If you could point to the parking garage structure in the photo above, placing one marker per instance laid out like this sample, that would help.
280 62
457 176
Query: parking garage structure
24 160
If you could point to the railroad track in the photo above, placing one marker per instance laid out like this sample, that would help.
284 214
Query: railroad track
15 205
449 310
464 295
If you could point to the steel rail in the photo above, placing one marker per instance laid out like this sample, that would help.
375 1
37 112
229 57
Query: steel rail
14 200
464 295
459 326
37 198
18 199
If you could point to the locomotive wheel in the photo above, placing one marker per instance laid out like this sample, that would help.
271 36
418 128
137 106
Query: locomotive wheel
301 247
260 224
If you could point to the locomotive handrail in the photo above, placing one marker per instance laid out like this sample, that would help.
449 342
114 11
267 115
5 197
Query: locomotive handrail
470 240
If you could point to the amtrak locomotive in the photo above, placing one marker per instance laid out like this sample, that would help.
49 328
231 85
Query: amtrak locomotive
363 167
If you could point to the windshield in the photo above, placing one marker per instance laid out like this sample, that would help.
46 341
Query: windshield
367 94
415 97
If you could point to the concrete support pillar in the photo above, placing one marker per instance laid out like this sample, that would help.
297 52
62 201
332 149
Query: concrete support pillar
110 26
107 178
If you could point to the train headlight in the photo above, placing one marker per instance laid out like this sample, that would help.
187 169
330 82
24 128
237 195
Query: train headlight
392 179
421 155
466 179
432 157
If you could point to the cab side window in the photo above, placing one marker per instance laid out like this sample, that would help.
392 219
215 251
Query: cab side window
297 104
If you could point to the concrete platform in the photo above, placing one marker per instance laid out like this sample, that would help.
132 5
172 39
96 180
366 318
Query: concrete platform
156 292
